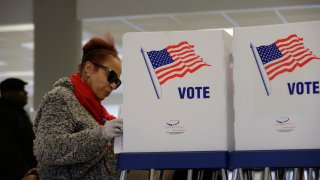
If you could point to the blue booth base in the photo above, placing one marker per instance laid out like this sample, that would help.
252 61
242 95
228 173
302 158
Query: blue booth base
173 160
308 158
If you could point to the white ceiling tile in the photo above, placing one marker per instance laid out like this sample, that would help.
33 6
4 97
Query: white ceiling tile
163 23
255 18
204 21
299 15
99 28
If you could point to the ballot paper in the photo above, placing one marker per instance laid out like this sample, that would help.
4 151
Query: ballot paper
118 145
118 141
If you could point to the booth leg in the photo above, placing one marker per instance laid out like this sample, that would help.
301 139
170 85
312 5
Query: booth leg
266 173
200 175
313 174
224 174
162 174
151 174
189 177
235 174
305 174
241 174
310 174
214 174
251 174
297 175
247 174
123 174
280 174
256 174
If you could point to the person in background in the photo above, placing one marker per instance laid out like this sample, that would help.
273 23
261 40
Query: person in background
74 132
16 130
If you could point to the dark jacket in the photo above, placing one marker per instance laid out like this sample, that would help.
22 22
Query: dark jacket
16 141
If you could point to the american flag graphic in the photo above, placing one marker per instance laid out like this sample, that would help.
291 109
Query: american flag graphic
175 61
285 55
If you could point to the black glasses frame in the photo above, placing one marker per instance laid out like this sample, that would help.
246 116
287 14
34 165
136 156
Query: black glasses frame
112 77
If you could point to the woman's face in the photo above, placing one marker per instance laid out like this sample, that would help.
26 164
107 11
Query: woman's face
97 76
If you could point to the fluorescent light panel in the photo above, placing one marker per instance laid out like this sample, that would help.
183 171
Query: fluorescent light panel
16 73
19 27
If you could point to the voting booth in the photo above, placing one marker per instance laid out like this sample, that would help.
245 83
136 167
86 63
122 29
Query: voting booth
277 96
177 100
177 94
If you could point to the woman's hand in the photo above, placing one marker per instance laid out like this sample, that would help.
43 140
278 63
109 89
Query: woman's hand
112 129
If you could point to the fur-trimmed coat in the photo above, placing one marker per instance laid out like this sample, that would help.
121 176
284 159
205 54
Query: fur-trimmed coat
69 140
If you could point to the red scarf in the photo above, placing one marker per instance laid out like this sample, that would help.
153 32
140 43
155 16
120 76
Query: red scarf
87 99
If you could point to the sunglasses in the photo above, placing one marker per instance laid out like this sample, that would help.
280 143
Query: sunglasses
112 76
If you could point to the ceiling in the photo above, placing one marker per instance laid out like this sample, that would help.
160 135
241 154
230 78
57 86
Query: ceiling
16 40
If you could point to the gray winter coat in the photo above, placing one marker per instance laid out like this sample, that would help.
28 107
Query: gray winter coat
69 140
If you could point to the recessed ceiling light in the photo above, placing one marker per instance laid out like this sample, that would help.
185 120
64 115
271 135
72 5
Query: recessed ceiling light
28 45
3 63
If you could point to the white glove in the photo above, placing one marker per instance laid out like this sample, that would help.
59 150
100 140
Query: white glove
112 129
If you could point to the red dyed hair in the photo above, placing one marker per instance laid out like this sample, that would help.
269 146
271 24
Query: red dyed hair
97 49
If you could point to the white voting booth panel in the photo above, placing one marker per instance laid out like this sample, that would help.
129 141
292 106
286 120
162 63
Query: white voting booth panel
276 81
174 86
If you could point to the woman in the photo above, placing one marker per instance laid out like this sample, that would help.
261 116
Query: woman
74 132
